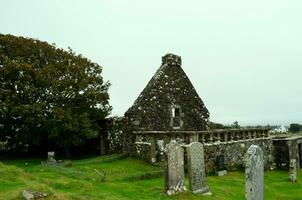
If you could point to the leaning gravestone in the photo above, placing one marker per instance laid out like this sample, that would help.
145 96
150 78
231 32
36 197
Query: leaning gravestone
293 170
196 168
254 174
174 168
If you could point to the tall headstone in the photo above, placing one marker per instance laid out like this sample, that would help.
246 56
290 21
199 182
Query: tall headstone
174 168
254 174
196 169
293 170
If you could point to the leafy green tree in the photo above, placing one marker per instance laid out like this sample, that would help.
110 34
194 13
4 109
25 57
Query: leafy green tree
214 125
294 128
48 95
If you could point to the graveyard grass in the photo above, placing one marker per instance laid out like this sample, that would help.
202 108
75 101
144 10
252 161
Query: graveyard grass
126 178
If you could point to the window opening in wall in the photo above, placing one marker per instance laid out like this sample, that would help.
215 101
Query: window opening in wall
176 121
176 112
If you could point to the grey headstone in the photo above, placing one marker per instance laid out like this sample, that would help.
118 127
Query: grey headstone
254 174
196 168
51 157
293 170
174 168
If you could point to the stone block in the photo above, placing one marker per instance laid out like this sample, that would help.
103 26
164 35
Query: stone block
221 173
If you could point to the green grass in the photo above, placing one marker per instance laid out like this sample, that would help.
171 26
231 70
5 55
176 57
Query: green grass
126 178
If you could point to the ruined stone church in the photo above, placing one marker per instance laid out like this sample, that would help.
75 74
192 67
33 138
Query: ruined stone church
169 108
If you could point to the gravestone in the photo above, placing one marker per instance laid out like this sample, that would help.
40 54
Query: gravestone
254 173
220 166
29 195
293 170
174 168
51 157
196 169
153 151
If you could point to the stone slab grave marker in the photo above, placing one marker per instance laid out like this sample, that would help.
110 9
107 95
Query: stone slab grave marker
293 170
254 174
51 157
220 166
195 156
174 168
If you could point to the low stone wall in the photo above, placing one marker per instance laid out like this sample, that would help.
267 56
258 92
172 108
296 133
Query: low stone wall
234 153
114 138
232 144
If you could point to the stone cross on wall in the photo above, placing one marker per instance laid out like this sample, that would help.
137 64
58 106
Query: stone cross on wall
195 156
174 168
254 173
293 170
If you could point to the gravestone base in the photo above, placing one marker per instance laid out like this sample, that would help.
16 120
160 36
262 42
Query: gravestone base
221 173
209 193
204 191
177 189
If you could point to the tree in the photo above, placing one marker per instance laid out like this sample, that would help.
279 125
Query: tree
294 128
214 125
235 124
48 95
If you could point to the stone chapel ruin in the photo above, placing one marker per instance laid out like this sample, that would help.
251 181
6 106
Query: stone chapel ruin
169 108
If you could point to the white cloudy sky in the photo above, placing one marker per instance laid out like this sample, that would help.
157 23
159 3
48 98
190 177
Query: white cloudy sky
243 57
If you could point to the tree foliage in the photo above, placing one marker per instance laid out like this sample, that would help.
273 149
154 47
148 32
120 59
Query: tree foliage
48 94
294 128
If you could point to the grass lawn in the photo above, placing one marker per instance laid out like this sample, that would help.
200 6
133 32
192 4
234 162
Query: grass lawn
126 178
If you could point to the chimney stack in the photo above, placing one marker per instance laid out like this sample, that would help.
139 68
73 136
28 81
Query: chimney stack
171 59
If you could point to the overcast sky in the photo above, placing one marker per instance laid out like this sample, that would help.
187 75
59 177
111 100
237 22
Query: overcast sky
243 57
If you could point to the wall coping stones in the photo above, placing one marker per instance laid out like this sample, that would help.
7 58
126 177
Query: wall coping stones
237 141
172 132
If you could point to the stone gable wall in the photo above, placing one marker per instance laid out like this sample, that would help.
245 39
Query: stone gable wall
169 87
